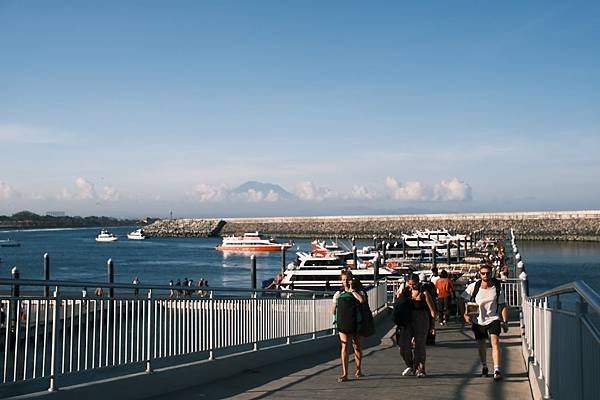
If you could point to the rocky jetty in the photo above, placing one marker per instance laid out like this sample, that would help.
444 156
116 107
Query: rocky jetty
184 228
567 225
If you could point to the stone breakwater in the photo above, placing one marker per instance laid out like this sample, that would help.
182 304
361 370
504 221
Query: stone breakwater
567 225
185 228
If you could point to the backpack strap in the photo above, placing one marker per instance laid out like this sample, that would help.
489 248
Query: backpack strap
475 290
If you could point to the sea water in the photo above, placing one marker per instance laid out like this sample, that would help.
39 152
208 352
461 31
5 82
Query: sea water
76 256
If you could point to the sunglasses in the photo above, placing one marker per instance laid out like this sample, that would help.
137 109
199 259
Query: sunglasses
489 273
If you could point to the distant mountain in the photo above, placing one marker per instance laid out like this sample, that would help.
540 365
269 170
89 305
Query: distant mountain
264 188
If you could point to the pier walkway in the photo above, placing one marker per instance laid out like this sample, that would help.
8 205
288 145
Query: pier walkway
452 373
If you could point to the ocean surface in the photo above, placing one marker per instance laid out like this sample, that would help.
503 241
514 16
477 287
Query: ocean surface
76 256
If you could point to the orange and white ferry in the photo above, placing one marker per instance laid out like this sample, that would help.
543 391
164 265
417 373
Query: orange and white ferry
252 241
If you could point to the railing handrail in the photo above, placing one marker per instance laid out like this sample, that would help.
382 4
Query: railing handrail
580 287
79 284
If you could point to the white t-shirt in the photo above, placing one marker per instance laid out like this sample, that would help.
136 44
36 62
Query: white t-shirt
434 279
487 302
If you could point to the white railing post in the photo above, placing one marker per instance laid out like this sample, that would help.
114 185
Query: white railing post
255 323
289 319
149 338
211 324
547 344
314 316
53 387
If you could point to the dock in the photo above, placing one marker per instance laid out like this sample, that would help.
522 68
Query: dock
452 373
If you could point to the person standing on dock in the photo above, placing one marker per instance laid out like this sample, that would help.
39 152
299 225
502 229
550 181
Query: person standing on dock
136 291
488 296
445 291
346 304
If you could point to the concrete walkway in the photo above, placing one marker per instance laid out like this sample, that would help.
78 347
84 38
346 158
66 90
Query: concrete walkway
452 373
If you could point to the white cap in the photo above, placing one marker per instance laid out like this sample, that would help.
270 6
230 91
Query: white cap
422 276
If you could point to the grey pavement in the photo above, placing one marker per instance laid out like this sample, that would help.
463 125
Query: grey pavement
452 373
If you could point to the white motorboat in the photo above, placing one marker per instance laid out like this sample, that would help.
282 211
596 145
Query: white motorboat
311 272
106 236
251 242
138 234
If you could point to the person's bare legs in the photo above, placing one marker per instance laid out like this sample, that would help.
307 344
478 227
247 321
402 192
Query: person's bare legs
357 355
344 356
482 350
496 354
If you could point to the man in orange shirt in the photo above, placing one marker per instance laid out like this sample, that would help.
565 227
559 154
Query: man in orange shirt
445 289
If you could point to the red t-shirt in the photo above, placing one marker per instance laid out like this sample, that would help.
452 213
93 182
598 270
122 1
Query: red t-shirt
444 287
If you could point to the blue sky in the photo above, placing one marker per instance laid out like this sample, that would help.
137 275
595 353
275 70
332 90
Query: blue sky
140 108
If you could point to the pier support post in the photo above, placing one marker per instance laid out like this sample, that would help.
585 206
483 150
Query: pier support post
383 252
376 269
253 271
283 259
353 241
354 256
448 251
46 274
374 242
111 277
433 257
403 248
15 290
55 333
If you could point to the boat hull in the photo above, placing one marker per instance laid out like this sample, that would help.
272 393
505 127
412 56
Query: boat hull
261 248
106 240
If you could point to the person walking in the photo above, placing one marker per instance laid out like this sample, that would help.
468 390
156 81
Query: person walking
445 292
421 309
488 297
136 291
346 303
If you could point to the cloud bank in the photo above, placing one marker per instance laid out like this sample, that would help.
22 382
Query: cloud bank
451 190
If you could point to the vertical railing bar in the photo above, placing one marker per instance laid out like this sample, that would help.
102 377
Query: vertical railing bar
87 333
156 307
26 340
108 315
79 335
93 364
137 339
55 323
211 333
17 325
132 347
149 333
36 332
8 310
120 331
45 348
169 342
143 332
126 333
114 335
71 337
100 352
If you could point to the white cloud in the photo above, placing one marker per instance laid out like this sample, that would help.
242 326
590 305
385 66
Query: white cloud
361 192
256 196
210 193
7 192
85 189
451 190
109 193
411 191
308 191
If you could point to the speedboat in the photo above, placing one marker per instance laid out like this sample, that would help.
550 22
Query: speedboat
9 243
106 236
138 234
251 242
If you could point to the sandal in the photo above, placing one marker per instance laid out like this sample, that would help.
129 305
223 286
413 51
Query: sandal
358 374
342 378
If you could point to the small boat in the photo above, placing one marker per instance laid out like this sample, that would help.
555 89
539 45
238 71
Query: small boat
106 236
251 242
9 243
138 234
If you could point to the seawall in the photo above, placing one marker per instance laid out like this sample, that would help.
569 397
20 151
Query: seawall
559 225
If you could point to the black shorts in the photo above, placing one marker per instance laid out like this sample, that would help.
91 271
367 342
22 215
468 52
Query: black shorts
483 331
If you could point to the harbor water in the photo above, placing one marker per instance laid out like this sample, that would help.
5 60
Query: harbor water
75 255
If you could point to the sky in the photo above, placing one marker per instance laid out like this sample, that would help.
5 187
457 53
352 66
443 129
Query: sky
142 108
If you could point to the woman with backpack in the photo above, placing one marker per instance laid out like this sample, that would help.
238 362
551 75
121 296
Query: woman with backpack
412 311
346 304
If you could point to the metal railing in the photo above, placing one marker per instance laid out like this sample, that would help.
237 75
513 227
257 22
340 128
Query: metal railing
43 337
564 344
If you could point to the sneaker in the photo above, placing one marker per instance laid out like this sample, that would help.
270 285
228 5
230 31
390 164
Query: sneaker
497 375
408 372
485 372
420 374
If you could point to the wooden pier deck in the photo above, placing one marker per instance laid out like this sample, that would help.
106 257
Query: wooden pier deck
452 373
